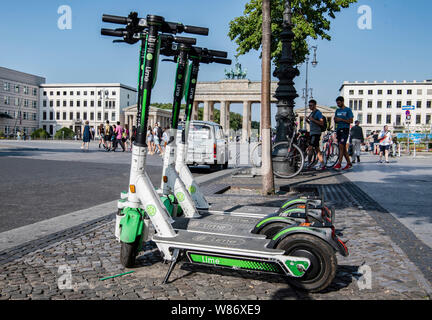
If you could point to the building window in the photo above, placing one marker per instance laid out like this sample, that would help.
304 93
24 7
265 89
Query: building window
113 104
84 115
34 116
6 101
369 119
25 115
44 115
92 103
351 92
71 93
44 93
64 103
428 104
51 93
26 103
99 116
378 119
360 92
389 104
78 93
360 105
58 103
106 116
429 92
91 116
78 116
418 119
64 115
351 103
369 105
409 103
399 104
35 90
409 91
17 101
398 119
71 103
78 103
355 104
379 104
85 93
419 92
51 103
51 115
57 115
399 92
92 93
360 118
419 104
70 115
6 86
388 119
34 104
114 93
113 116
26 90
380 92
58 93
99 103
85 103
389 92
17 88
428 119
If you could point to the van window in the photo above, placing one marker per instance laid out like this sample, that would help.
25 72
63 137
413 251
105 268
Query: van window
219 132
199 130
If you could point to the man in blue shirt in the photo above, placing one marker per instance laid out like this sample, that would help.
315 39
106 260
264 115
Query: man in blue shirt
316 121
343 120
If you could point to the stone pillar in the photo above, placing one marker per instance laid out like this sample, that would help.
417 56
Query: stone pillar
246 124
224 116
195 110
211 110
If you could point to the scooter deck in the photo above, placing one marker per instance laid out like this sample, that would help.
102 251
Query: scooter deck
225 224
218 243
245 211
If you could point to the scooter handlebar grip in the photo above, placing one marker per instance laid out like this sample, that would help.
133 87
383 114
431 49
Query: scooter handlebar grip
196 30
217 53
114 19
191 41
111 32
222 61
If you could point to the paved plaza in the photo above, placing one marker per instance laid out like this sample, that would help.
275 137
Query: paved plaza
389 257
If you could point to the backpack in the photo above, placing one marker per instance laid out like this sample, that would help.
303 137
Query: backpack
107 129
159 132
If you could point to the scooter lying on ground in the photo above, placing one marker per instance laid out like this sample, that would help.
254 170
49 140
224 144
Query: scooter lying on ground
304 253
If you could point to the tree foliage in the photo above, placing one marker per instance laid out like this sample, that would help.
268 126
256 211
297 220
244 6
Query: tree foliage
311 18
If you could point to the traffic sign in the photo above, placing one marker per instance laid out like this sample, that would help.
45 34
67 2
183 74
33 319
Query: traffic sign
407 113
408 108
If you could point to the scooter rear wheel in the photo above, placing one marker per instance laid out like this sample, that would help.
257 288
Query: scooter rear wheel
272 229
321 255
128 253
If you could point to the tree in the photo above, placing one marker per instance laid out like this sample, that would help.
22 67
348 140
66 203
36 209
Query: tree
311 18
64 133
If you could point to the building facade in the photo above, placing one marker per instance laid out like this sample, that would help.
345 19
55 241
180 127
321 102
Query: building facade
19 101
162 116
70 105
381 103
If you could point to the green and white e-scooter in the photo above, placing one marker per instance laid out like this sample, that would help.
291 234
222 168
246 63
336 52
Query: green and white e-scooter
303 253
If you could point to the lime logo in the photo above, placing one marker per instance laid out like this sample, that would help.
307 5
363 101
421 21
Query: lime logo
192 189
180 76
149 56
193 81
180 196
151 210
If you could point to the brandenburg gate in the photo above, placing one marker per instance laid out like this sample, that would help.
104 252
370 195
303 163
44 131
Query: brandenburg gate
227 92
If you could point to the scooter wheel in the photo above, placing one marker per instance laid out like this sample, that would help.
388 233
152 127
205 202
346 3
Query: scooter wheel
321 255
272 229
128 253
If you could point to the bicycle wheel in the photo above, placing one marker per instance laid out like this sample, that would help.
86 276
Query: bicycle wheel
256 156
311 159
331 155
293 161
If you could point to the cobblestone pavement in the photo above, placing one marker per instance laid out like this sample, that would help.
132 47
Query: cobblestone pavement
93 253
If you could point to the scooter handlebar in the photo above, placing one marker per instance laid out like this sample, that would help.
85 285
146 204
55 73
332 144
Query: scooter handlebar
196 30
222 61
217 53
115 19
184 40
112 33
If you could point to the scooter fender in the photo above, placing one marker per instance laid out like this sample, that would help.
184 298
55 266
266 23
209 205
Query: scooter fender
273 218
131 225
294 213
325 234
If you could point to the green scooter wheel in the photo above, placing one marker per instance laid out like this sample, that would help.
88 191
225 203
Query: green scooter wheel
322 256
128 253
272 229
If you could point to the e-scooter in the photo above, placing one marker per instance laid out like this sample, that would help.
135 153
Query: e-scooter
303 253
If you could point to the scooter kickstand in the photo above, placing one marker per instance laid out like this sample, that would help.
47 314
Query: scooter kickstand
172 265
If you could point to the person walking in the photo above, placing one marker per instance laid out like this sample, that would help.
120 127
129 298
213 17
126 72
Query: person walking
165 137
316 123
101 133
86 136
125 137
157 137
357 140
343 119
150 140
108 136
385 140
118 132
376 143
133 136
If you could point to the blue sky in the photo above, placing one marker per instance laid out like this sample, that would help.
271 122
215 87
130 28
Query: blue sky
397 48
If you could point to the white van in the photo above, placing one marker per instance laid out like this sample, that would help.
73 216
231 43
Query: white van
207 144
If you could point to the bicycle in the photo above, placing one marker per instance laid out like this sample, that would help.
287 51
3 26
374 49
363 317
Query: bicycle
293 156
330 150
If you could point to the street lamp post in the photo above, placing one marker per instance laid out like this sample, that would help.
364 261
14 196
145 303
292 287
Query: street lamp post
285 91
306 90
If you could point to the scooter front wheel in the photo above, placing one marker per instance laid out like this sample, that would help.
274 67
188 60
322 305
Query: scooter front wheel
128 253
322 270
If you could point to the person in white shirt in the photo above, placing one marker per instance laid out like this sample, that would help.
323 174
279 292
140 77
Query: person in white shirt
385 141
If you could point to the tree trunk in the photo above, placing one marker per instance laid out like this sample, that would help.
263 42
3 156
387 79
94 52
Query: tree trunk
267 165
